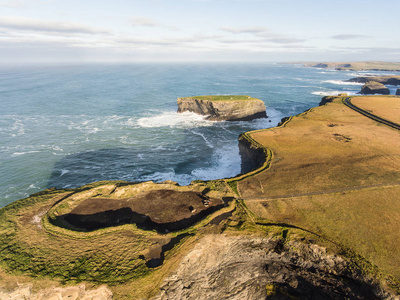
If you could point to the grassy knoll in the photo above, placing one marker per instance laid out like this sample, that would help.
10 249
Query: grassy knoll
32 244
336 173
224 97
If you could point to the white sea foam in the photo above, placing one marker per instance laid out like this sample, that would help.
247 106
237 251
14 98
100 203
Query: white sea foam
226 163
341 82
333 93
22 153
182 179
63 172
208 143
174 119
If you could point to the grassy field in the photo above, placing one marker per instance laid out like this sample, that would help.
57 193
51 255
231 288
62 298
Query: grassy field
382 106
224 97
336 173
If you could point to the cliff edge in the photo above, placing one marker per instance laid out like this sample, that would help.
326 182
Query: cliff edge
224 108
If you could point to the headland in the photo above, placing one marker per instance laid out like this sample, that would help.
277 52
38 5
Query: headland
317 202
356 66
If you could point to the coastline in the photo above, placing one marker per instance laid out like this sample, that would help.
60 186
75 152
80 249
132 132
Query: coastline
245 215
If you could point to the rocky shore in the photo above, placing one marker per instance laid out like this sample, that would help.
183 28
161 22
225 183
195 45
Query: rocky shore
224 108
376 84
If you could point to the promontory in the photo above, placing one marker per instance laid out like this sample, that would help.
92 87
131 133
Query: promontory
224 108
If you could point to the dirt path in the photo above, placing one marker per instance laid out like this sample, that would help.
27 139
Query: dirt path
333 191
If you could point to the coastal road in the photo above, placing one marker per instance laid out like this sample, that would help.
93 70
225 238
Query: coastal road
347 101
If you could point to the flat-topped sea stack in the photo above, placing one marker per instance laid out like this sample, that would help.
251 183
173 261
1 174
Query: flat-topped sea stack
373 87
224 108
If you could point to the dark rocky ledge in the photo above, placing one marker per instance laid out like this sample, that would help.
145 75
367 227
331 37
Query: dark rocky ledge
160 210
390 80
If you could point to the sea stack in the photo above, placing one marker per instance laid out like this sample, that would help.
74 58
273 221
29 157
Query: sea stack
224 108
398 92
373 87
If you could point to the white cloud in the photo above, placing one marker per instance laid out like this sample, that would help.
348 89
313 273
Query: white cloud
146 22
141 21
251 30
29 24
349 36
263 34
24 4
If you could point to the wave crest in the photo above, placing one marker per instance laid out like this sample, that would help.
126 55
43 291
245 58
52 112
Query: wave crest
174 119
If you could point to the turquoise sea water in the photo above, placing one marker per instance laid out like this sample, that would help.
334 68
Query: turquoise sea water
68 126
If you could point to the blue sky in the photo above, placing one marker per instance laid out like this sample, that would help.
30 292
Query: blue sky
69 31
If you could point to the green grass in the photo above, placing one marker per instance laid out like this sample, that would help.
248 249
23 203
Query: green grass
224 97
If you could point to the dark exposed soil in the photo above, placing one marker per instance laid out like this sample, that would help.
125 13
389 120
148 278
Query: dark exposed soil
162 210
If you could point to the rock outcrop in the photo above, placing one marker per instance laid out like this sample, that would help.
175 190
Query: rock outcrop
224 108
373 87
238 267
398 92
391 80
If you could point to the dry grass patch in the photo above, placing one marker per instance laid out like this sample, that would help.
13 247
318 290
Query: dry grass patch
383 106
327 176
332 147
365 221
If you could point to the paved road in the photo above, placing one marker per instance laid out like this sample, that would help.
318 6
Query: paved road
347 102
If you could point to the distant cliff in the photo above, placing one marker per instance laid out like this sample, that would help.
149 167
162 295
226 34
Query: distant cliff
391 80
224 108
357 66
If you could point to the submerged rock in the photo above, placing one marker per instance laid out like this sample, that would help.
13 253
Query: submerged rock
224 108
373 87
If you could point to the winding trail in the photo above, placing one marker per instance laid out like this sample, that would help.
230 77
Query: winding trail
347 102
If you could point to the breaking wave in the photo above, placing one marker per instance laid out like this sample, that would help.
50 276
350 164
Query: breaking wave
174 119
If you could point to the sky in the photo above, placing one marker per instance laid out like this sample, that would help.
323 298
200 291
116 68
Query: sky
257 31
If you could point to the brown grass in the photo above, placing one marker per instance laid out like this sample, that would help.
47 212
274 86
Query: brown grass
384 107
328 175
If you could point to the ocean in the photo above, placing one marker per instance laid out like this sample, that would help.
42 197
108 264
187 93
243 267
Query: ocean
65 126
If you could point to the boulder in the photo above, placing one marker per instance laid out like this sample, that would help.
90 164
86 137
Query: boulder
398 92
224 108
373 87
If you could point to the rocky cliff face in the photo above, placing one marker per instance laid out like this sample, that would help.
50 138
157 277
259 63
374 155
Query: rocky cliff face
238 267
251 156
229 110
372 87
